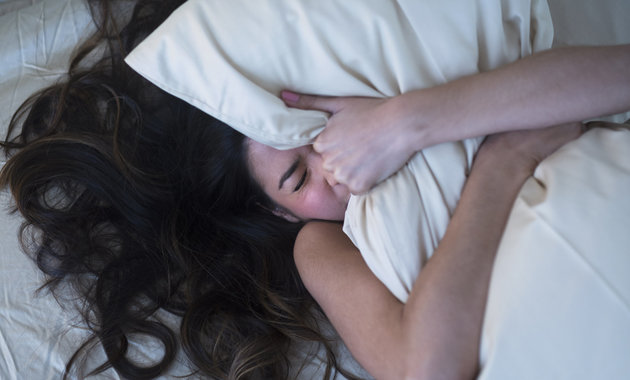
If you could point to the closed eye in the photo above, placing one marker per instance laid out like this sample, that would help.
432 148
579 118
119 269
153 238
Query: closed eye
300 182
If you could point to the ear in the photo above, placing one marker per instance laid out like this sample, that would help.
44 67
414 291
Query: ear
281 212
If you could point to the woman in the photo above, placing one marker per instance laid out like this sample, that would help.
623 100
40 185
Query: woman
116 178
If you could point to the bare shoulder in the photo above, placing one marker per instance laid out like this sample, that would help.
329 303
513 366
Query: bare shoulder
333 269
320 235
362 310
320 250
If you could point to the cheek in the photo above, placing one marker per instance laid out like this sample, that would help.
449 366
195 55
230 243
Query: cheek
322 203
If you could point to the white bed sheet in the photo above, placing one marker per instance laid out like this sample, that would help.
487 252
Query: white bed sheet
36 334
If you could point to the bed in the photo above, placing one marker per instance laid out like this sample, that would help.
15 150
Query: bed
37 335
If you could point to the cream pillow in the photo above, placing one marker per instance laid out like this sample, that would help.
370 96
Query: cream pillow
232 58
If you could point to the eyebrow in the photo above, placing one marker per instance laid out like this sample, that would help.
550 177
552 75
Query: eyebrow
288 173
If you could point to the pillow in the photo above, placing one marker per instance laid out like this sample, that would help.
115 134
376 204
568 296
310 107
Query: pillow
232 58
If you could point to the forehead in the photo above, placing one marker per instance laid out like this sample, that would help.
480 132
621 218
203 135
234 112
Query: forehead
267 163
261 154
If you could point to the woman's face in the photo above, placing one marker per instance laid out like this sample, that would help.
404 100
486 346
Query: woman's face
295 180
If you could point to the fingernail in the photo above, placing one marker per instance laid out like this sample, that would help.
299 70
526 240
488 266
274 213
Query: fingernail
289 97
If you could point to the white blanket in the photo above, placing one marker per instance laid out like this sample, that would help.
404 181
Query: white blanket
559 301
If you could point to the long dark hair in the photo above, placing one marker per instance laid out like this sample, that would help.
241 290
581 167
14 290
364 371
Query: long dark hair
142 203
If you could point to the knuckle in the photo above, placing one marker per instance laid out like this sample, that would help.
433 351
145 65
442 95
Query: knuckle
304 101
329 167
341 176
317 145
321 142
356 185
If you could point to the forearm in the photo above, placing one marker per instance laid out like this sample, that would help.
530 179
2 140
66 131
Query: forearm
548 88
443 316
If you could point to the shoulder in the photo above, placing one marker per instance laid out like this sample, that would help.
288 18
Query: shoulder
361 309
319 240
317 235
322 251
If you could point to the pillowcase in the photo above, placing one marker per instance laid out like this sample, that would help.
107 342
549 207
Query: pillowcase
232 58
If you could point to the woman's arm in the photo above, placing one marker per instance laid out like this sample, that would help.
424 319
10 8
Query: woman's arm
552 87
368 139
437 333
